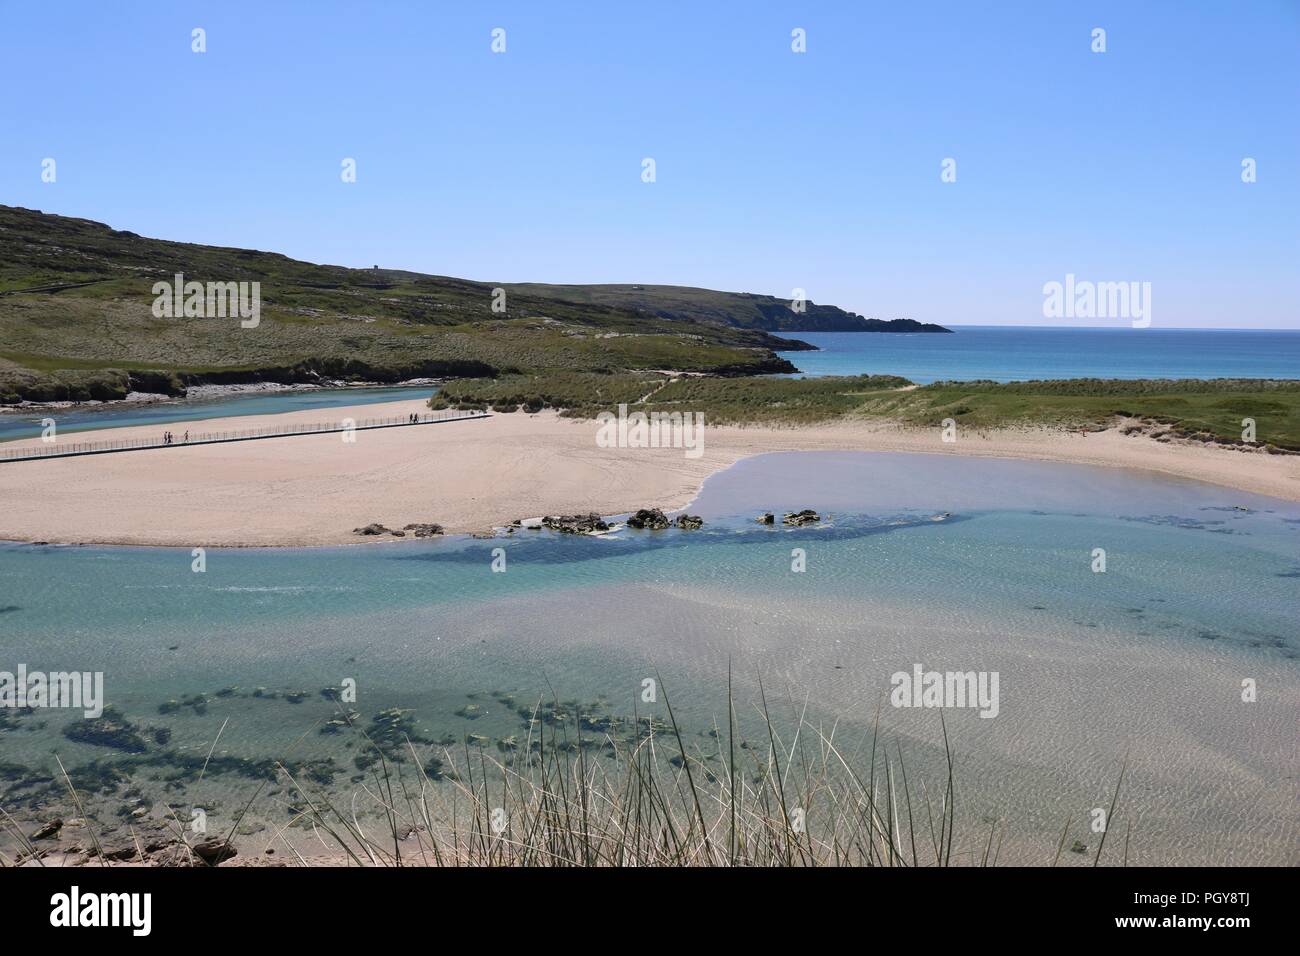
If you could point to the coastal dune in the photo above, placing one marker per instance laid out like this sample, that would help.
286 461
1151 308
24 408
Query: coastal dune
469 476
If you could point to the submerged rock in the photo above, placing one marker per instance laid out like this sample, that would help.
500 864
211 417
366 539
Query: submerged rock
649 519
214 851
801 518
50 829
109 730
689 522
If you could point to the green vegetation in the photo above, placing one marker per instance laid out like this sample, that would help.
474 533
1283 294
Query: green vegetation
1208 410
751 399
582 394
76 321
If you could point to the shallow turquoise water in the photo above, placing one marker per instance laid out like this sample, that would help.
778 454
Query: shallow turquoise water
1201 589
1004 354
15 425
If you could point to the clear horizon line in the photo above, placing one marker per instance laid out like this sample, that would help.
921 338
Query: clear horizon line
1110 328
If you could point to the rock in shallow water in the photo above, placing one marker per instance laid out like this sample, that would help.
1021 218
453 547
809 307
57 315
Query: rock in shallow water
214 851
575 524
649 519
801 518
50 829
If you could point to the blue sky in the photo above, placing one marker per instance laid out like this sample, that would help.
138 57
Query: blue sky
775 170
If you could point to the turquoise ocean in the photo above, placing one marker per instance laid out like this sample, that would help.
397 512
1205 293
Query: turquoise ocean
1005 354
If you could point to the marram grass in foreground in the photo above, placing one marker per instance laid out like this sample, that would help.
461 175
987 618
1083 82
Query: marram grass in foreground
793 801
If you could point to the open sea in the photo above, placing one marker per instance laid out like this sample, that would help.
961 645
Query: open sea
1007 354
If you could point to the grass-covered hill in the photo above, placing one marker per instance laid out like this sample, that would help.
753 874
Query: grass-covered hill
76 320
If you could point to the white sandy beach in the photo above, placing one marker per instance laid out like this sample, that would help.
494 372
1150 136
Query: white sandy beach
472 475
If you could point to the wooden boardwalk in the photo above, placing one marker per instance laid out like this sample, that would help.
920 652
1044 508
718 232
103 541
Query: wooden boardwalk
63 448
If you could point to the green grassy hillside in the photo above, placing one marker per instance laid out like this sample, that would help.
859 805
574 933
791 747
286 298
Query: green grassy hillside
76 320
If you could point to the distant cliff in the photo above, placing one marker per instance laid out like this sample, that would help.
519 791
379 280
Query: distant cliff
740 310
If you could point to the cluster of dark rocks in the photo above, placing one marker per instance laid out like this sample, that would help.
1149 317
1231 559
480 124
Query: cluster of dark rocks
652 519
796 519
419 530
801 518
647 519
575 524
150 849
644 519
423 530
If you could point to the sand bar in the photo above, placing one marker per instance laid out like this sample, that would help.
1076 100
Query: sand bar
472 475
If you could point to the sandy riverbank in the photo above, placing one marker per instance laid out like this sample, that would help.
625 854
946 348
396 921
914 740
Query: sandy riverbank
472 475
